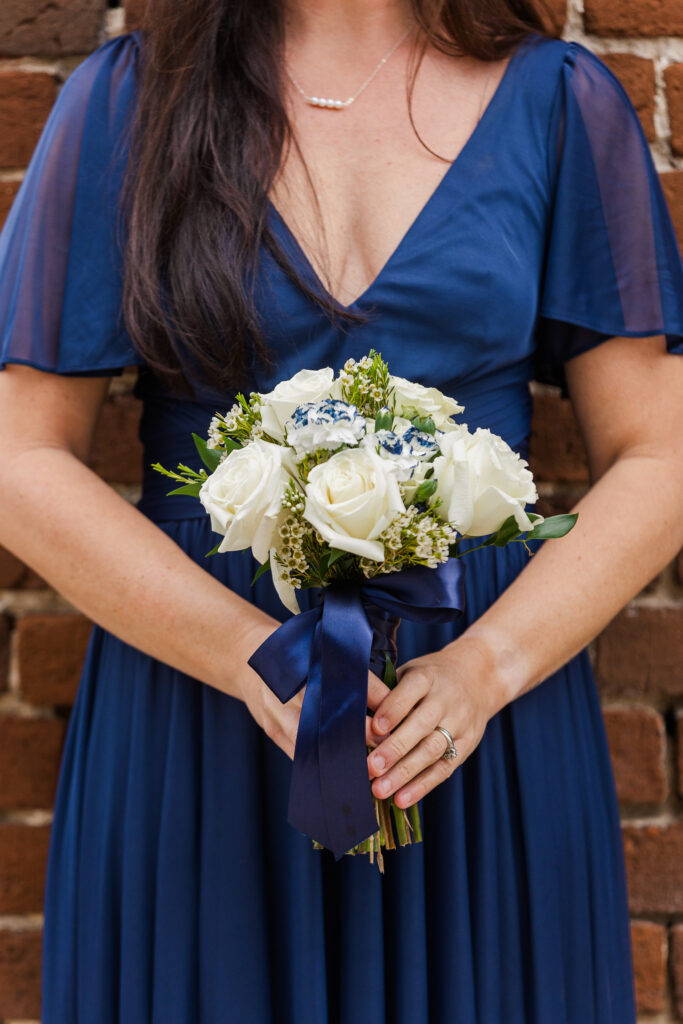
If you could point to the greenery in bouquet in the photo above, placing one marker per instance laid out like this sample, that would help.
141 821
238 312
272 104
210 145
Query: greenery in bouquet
348 476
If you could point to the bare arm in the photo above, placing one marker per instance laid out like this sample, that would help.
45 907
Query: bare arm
628 397
113 563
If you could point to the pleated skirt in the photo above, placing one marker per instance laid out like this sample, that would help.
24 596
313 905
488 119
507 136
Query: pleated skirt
177 893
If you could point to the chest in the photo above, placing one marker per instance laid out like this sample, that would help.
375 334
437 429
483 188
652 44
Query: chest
359 178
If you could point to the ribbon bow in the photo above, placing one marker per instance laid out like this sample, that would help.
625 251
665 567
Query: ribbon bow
329 649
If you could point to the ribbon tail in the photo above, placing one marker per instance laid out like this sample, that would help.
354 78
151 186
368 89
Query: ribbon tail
283 658
344 778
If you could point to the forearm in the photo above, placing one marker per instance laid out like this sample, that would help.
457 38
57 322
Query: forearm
122 571
572 587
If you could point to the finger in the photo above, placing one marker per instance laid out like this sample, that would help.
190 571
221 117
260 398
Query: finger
411 687
424 754
420 723
427 780
377 691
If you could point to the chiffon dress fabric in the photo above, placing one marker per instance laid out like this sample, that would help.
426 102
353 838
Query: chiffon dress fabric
176 891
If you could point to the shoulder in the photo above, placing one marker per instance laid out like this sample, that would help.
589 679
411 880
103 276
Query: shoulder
103 83
552 66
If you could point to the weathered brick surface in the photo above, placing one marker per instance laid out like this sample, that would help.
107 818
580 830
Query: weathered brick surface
26 98
8 190
23 856
634 17
117 453
654 865
556 449
677 967
641 651
50 29
30 751
4 651
133 9
672 183
51 649
648 941
20 980
637 742
673 77
637 74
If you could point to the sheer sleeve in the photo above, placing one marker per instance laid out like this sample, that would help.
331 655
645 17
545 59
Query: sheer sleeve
612 263
60 265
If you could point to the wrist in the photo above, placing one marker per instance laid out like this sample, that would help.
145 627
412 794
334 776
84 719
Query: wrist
229 670
499 663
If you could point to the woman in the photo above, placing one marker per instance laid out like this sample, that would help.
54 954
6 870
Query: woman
176 890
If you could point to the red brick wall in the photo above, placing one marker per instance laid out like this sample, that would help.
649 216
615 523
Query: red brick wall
638 658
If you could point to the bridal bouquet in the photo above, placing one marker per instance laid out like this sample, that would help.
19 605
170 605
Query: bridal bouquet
360 486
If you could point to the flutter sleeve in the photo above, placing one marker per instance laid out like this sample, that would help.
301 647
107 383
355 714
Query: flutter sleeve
612 264
60 264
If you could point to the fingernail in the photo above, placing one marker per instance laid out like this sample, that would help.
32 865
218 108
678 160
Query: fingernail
406 798
384 786
379 762
381 724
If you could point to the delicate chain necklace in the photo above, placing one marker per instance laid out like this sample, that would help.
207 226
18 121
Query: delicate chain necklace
316 101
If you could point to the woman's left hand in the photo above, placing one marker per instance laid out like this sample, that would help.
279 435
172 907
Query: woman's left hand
455 688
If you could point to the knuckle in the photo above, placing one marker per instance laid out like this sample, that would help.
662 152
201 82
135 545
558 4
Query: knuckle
397 749
435 744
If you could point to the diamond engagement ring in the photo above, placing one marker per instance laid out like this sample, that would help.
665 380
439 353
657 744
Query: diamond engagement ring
450 752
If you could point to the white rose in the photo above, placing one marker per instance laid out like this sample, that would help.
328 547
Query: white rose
243 496
482 482
412 399
351 499
283 588
279 404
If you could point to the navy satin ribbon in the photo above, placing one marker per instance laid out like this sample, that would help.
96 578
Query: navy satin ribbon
329 648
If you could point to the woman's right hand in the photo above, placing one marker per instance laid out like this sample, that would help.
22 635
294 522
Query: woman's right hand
280 721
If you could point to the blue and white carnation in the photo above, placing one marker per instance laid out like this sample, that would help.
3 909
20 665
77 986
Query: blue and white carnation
324 425
407 447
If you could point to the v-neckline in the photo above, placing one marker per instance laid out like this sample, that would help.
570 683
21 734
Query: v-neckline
441 185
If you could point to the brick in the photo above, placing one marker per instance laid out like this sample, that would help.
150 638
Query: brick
20 974
554 14
23 859
634 17
679 751
54 28
26 98
117 453
637 743
641 651
51 649
4 651
673 78
672 183
637 75
677 967
556 449
8 190
561 501
648 942
30 754
654 866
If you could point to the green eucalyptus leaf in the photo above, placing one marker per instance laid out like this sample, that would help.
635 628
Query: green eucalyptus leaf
261 570
209 456
553 527
506 532
192 489
390 678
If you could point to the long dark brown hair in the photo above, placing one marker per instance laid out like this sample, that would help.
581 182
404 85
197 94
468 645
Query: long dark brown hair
208 134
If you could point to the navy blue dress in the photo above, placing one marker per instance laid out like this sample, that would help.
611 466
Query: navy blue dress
176 891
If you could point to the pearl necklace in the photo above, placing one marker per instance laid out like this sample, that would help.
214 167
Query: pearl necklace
316 101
